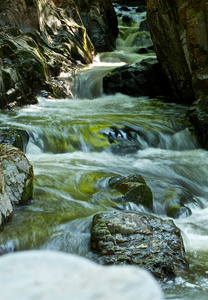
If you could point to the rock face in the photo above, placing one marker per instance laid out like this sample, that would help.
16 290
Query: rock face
179 33
141 79
53 275
101 23
16 180
143 240
38 40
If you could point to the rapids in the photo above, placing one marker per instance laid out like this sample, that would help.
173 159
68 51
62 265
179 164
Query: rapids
73 161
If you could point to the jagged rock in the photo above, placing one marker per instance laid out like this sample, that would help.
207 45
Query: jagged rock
17 137
38 40
101 23
143 240
54 275
16 180
179 33
142 79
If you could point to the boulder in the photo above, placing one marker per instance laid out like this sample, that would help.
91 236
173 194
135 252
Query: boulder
16 180
134 189
124 238
38 41
141 79
51 275
101 23
179 32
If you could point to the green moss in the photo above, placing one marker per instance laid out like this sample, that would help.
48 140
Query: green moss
28 187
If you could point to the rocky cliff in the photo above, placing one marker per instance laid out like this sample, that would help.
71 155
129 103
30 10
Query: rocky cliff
41 39
179 32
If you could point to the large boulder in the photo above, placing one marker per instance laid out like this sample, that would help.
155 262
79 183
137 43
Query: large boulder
179 32
16 180
146 241
51 275
101 23
39 40
141 79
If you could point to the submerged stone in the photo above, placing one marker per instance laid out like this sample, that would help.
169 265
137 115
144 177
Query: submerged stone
146 241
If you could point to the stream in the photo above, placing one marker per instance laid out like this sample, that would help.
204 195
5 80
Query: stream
73 160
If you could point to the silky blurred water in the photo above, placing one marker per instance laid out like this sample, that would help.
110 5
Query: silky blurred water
73 160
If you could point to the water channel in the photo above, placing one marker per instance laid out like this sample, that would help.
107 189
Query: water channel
73 161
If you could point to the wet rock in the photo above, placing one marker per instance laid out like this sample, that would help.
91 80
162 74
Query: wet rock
133 189
38 41
179 33
198 117
101 23
146 241
47 275
17 137
16 180
142 79
123 140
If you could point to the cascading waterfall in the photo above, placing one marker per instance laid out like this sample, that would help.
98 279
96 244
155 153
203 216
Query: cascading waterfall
73 160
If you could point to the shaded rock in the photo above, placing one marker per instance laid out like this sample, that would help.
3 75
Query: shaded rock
198 117
143 240
18 174
17 137
101 23
133 189
142 79
47 275
179 33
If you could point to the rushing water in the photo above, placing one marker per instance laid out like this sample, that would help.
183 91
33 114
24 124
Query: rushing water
73 160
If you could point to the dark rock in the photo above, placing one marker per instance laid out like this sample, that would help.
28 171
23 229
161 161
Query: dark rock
198 117
123 141
144 26
133 189
143 240
17 137
141 8
126 19
142 79
101 23
181 45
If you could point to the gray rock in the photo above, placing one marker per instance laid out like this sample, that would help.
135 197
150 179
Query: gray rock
16 180
46 275
143 240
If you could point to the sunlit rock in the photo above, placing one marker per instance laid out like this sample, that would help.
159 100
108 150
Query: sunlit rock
39 40
16 180
101 23
45 275
138 239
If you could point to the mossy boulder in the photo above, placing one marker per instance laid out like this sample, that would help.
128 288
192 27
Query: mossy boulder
123 238
134 189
